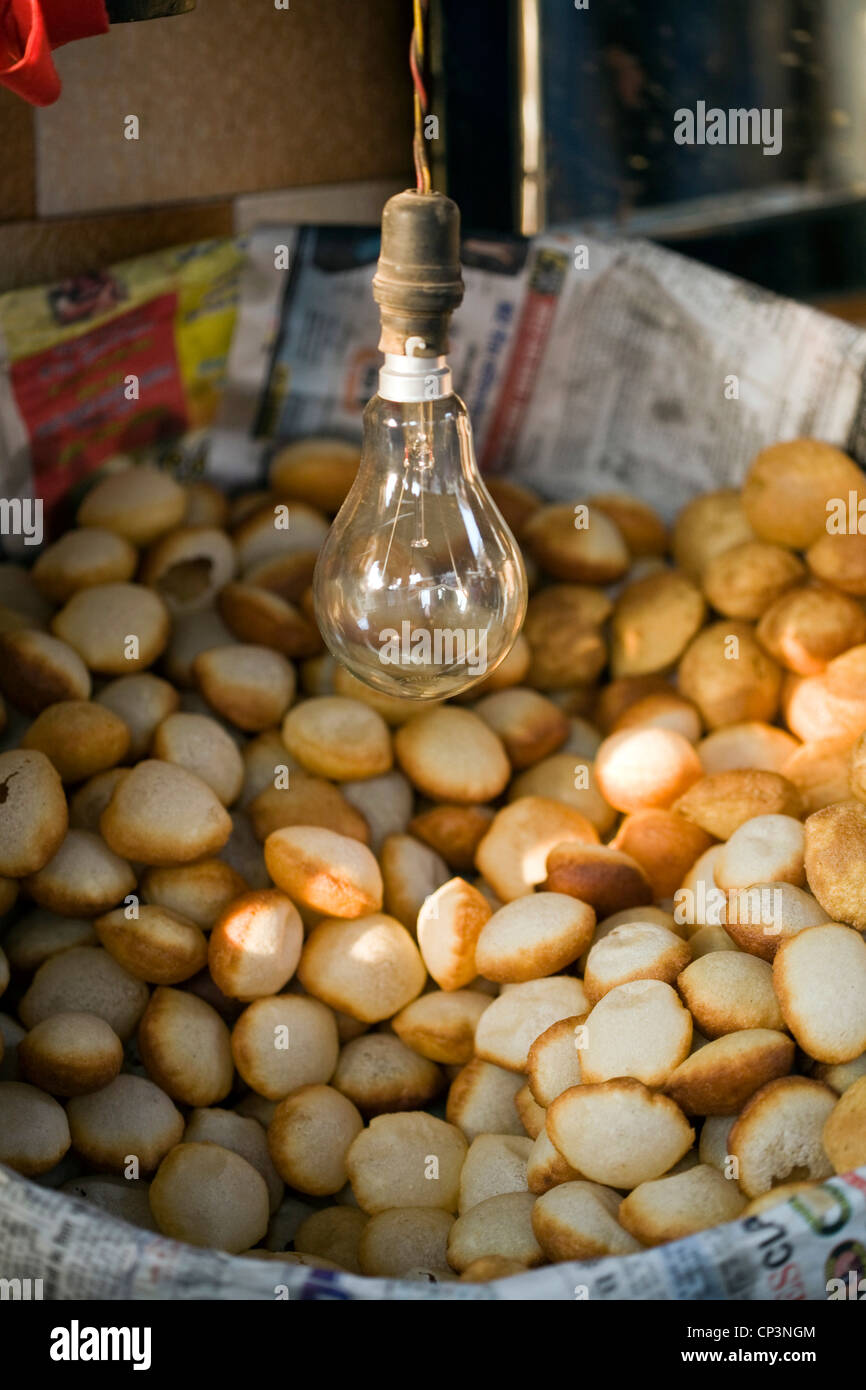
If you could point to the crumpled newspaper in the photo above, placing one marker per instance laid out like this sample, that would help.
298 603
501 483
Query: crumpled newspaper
807 1248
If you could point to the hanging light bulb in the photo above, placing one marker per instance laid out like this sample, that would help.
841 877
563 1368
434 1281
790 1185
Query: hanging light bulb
419 588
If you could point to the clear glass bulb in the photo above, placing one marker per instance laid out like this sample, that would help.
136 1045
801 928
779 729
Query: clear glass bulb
419 588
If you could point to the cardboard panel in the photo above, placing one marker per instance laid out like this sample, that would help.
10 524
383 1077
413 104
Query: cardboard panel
231 98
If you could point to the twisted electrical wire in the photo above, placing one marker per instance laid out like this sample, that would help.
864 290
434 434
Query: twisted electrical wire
416 65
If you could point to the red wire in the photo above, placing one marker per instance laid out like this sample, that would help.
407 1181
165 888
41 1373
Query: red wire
419 155
416 75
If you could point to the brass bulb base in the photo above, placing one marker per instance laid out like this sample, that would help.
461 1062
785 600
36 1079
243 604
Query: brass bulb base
418 283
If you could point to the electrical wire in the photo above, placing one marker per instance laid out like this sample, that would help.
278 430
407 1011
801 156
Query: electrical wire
416 66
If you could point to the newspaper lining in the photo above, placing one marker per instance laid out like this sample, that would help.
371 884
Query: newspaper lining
584 364
787 1254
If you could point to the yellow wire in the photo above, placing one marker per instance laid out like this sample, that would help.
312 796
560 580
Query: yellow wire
419 135
419 28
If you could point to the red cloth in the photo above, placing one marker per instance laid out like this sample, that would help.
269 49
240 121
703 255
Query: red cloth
30 29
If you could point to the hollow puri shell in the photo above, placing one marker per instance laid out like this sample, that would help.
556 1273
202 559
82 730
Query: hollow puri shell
310 1136
534 936
319 471
441 1026
154 944
653 1131
449 924
138 503
186 1047
844 1134
509 1027
83 878
570 778
789 485
753 744
512 856
594 552
142 701
81 738
455 832
285 1041
708 525
664 844
397 1242
806 627
641 768
306 801
819 977
482 1099
130 1117
638 1029
450 754
601 876
662 710
202 746
411 872
835 854
33 812
333 1233
389 1163
681 1204
727 991
188 567
721 803
260 616
840 560
643 529
249 685
199 891
744 581
115 628
329 873
764 849
369 968
82 557
37 670
34 1133
529 725
70 1054
163 814
255 945
204 1194
637 950
779 1134
380 1074
579 1221
553 1064
654 620
720 1077
729 676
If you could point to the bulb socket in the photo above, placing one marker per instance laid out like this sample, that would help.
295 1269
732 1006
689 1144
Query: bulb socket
418 283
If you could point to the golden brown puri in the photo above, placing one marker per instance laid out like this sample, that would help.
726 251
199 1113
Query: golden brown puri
468 977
